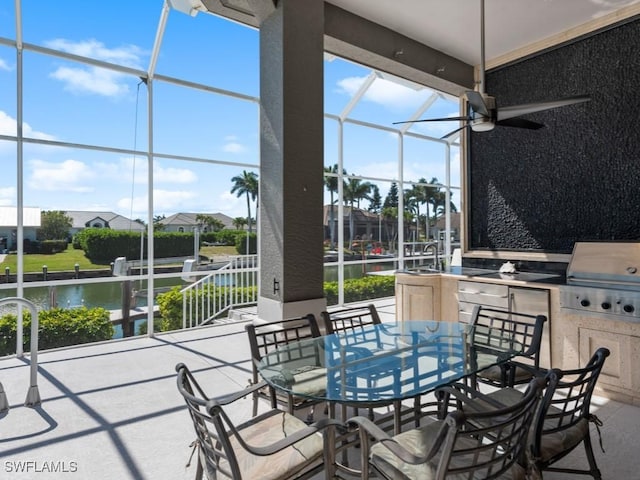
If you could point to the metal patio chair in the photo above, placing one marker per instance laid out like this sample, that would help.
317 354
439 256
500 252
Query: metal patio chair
272 446
522 329
465 444
267 337
562 423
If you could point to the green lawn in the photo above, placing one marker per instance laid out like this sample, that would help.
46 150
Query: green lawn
56 262
66 261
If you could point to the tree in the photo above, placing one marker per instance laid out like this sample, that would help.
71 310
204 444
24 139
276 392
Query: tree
375 200
355 190
157 226
331 183
246 184
54 225
391 200
239 222
375 206
212 223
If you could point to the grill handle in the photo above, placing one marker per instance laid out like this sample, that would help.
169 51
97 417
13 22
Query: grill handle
601 282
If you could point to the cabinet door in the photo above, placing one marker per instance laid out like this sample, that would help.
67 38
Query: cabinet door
534 301
418 302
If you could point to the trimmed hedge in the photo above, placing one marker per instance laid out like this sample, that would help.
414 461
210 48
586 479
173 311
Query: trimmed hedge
53 246
241 244
361 289
58 327
103 245
355 290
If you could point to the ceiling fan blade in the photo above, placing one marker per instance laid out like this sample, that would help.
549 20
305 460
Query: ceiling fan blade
520 123
512 111
453 132
477 103
445 119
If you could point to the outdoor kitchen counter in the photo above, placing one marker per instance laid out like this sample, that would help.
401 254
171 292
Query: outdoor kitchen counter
572 338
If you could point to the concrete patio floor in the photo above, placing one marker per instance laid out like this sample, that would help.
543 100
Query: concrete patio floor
112 410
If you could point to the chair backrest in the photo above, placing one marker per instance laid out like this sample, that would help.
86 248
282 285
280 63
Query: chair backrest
266 337
488 444
568 400
352 319
215 450
510 328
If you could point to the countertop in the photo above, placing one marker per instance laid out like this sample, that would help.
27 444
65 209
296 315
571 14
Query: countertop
493 275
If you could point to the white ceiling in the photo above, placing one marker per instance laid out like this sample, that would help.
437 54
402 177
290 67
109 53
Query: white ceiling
453 26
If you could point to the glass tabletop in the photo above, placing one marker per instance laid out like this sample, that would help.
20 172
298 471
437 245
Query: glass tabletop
378 364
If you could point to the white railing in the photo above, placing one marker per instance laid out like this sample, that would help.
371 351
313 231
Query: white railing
233 285
33 395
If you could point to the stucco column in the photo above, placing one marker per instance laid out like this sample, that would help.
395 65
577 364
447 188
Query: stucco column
291 171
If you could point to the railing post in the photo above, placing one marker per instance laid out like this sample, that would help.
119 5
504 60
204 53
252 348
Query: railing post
126 308
33 395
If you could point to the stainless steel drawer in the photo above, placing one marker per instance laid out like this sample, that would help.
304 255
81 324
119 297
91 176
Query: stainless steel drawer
487 294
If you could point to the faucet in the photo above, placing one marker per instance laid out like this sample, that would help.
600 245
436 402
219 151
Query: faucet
436 260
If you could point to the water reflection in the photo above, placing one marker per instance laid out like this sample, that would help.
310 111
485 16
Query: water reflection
109 294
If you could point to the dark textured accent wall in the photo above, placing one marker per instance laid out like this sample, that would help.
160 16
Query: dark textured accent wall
577 179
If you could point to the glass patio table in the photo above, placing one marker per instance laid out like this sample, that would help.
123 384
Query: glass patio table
382 364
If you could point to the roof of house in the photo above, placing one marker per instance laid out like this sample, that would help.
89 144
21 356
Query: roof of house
82 219
455 221
359 215
189 219
9 216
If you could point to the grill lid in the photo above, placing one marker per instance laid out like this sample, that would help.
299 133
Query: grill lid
605 264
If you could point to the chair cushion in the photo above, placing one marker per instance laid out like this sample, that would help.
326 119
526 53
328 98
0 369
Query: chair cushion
311 381
551 444
557 443
284 463
419 441
495 374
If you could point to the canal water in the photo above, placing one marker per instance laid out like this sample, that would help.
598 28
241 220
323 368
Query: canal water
109 294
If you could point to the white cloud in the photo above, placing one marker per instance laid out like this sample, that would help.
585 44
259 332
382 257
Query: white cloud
163 201
125 168
69 176
5 66
7 196
95 80
8 127
234 147
385 92
127 55
173 175
234 206
91 80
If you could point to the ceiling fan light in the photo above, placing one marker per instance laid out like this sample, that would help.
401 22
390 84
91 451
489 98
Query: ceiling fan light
482 125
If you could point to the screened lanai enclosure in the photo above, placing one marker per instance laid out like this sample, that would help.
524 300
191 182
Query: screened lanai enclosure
153 127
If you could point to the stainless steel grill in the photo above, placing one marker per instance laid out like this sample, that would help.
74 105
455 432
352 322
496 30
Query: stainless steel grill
603 278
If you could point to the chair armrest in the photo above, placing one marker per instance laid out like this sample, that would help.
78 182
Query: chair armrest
465 396
535 371
281 444
232 397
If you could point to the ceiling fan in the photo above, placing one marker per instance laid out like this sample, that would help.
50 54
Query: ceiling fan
484 113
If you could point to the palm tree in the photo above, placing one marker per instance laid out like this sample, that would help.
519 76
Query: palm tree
431 195
246 184
209 221
354 191
331 183
239 222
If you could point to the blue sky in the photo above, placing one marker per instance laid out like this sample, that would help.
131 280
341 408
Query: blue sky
78 103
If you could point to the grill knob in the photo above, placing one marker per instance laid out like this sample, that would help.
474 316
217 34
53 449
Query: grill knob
585 303
606 305
628 308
